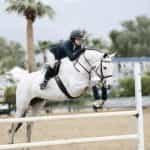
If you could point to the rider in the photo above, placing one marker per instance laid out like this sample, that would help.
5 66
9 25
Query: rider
71 48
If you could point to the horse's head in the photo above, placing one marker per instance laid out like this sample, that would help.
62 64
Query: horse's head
101 65
105 69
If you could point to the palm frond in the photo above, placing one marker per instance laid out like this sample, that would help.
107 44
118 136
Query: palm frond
36 7
43 10
15 6
50 11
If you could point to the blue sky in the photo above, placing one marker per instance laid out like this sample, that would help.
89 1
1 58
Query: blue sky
98 17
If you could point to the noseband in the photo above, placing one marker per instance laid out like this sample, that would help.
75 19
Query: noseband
102 73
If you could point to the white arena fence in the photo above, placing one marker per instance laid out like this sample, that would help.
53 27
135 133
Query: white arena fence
139 136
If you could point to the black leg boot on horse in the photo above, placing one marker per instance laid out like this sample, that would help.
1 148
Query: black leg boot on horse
100 102
50 73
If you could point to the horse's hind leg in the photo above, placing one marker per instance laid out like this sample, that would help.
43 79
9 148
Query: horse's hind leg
29 132
15 126
35 108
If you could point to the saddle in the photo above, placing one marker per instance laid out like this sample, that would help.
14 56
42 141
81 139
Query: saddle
59 81
52 72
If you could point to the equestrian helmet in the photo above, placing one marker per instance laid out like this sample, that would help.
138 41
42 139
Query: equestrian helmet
76 34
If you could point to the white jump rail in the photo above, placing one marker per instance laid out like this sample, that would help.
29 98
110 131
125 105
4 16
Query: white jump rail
74 116
69 141
139 136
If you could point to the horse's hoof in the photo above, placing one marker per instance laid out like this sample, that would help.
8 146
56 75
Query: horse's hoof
96 108
10 142
9 131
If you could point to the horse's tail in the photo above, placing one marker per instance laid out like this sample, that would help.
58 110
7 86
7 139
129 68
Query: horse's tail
22 101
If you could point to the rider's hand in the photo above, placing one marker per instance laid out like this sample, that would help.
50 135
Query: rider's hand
83 48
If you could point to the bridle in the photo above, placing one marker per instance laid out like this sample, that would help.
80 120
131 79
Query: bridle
93 68
102 72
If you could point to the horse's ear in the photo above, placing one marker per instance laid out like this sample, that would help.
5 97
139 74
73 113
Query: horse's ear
105 55
112 55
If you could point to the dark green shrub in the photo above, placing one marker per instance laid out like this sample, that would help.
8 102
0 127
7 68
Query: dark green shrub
10 95
146 85
126 87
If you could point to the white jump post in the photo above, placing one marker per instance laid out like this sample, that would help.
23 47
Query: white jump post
138 97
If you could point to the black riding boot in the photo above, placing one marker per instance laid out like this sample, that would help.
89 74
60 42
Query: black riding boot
50 72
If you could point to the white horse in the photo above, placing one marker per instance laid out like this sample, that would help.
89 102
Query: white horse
90 68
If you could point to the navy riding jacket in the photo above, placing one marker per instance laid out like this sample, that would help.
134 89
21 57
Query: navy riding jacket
66 49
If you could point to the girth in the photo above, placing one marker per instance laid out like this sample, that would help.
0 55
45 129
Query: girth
62 87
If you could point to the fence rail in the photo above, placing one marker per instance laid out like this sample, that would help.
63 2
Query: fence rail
74 116
69 141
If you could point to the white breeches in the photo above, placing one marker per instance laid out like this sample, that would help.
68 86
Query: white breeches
50 58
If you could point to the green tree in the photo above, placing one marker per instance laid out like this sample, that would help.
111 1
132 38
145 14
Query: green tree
31 9
11 54
133 39
98 43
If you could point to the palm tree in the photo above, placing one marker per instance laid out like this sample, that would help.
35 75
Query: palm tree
30 9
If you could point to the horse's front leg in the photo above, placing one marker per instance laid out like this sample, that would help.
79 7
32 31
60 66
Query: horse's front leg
98 105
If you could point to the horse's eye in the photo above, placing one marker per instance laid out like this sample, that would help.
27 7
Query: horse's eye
104 68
